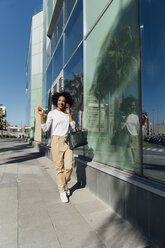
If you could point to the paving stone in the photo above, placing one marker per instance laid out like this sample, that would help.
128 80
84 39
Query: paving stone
36 237
8 232
32 215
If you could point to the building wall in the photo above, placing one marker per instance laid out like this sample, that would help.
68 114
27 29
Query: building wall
35 65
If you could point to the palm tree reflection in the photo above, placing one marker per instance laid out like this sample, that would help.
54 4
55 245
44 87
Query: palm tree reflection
75 87
116 70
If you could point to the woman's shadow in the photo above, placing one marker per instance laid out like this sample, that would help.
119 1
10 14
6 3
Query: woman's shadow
80 164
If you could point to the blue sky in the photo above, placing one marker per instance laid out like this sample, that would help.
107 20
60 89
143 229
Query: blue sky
15 22
153 56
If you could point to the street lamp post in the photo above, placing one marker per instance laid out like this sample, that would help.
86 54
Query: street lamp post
153 110
157 120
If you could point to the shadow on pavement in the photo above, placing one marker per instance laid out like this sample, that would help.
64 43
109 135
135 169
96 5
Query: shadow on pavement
80 172
75 187
16 148
24 158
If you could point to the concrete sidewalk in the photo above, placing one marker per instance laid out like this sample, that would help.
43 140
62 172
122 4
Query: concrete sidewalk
32 215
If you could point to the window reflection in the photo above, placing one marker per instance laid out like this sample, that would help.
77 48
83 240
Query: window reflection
57 31
129 130
73 82
112 112
49 77
73 33
57 60
68 5
61 21
153 87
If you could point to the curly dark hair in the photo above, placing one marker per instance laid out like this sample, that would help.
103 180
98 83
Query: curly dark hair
67 96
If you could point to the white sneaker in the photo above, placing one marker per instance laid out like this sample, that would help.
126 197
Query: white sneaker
63 197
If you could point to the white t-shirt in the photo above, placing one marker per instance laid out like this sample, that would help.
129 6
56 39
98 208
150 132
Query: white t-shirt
60 123
132 124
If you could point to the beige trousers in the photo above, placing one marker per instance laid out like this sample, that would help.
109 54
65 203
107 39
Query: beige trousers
63 161
133 150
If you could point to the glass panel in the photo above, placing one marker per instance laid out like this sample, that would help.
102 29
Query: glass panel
90 16
49 77
44 103
54 40
73 82
58 60
74 31
48 52
50 8
57 31
68 5
112 89
43 89
153 87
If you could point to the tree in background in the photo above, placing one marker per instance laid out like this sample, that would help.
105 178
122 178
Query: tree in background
2 121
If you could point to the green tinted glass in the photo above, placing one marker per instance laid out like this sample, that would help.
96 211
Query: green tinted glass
112 91
92 9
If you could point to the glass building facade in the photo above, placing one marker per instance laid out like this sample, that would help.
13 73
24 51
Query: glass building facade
105 57
109 54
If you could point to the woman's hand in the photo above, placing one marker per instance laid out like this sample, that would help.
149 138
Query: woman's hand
67 108
40 111
68 112
145 115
